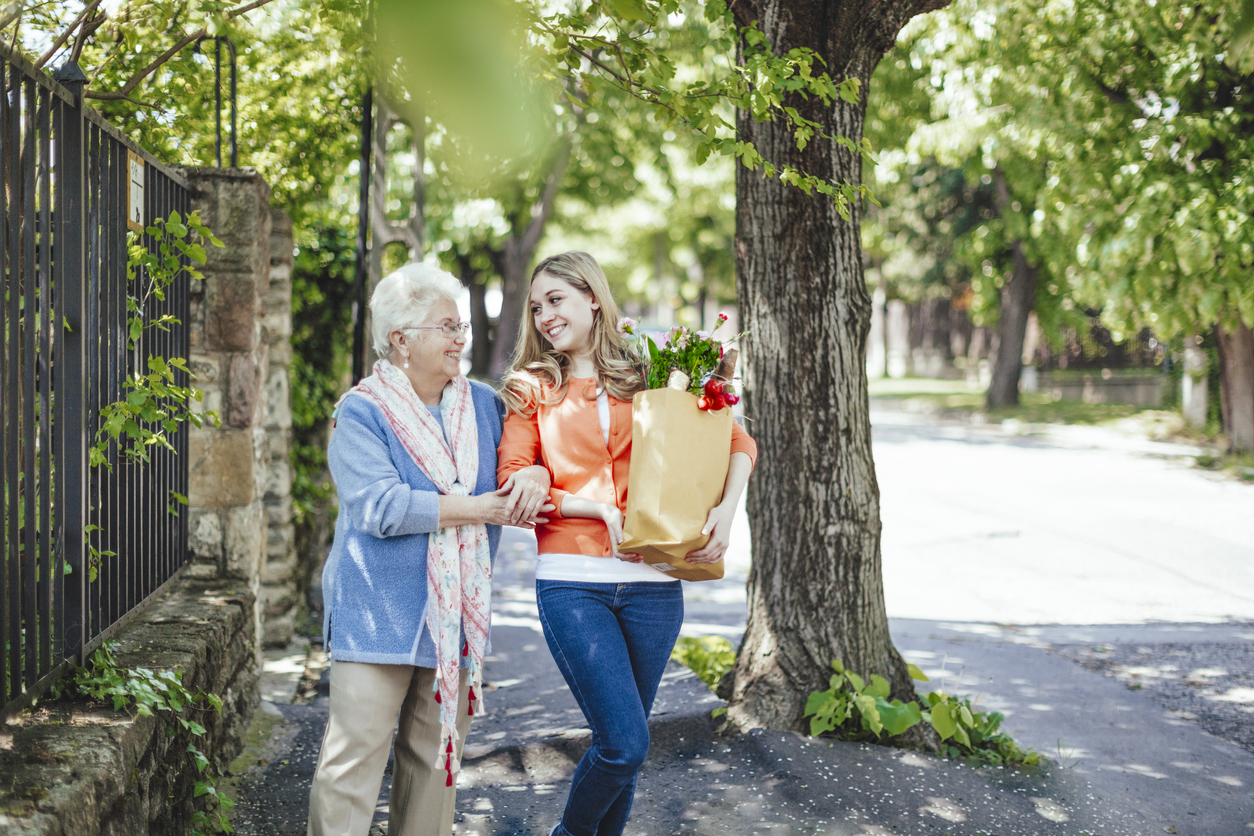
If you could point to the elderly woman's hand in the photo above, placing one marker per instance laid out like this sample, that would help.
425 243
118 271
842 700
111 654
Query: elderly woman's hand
490 508
528 491
496 510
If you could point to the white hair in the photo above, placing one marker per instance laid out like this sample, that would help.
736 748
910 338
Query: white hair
404 298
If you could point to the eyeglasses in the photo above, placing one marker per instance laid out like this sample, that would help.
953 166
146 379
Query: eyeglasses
451 330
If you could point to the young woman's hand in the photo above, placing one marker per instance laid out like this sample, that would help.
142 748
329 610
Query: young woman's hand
613 523
528 491
718 526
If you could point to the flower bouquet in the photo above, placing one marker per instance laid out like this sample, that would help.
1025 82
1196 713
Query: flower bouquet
680 446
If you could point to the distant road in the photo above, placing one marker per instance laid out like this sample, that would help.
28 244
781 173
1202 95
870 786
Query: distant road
1079 525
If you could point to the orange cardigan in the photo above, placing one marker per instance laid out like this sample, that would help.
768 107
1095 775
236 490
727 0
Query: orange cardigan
566 438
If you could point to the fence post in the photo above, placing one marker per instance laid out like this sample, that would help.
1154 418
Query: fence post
71 386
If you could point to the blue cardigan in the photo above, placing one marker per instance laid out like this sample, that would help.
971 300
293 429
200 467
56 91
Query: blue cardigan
374 584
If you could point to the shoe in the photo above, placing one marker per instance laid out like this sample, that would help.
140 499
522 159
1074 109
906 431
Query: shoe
555 827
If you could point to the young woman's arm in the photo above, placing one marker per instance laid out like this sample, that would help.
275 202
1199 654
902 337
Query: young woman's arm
718 524
574 506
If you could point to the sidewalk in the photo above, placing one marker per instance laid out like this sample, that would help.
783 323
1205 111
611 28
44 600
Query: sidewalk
1123 762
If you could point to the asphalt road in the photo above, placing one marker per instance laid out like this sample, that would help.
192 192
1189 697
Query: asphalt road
1093 587
1069 525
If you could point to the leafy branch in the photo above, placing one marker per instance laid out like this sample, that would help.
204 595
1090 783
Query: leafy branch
760 85
91 19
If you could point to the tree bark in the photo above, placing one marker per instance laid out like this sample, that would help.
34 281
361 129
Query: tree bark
1236 385
815 589
1018 297
480 322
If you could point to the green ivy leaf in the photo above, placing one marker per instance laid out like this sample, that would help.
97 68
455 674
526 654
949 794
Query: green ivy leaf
942 719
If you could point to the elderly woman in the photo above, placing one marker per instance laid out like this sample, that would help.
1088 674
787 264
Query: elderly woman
408 581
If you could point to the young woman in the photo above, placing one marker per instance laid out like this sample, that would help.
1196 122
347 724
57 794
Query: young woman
610 619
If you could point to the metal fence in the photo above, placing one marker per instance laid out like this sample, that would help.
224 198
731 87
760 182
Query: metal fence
65 179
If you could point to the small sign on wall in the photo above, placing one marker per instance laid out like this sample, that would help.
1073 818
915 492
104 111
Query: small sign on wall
135 191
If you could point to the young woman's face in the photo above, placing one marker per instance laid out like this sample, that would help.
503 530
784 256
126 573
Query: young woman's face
562 314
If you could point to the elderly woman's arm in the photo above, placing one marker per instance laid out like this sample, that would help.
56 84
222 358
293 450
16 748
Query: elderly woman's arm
370 488
496 508
379 503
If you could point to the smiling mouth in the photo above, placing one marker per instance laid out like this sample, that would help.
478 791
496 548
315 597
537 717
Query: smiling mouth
555 332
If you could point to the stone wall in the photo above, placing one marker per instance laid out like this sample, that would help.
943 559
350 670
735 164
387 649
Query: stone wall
240 506
78 768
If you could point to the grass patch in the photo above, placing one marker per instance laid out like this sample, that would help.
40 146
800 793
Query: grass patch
955 399
1240 465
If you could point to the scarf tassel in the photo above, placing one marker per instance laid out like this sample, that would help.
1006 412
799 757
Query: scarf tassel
448 764
470 703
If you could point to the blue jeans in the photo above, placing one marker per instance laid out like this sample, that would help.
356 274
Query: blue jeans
611 642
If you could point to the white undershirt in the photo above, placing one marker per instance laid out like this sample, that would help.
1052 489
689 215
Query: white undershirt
586 568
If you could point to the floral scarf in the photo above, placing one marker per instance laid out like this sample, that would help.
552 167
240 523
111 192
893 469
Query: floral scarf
459 569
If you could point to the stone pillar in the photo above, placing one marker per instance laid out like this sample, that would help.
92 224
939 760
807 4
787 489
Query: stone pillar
230 357
1193 385
280 599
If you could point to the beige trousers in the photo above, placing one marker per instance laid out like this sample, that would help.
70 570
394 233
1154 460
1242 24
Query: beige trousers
365 701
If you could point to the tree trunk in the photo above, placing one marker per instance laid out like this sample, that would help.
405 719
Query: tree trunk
815 589
513 259
480 322
511 263
1236 385
1018 297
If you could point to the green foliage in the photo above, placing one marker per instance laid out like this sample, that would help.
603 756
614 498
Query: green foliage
850 697
855 709
155 404
626 47
1122 133
709 657
460 64
322 286
967 733
161 693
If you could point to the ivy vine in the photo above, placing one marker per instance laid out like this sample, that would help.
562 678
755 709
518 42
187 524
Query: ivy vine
155 404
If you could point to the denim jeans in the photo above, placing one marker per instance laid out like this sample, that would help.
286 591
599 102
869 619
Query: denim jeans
611 642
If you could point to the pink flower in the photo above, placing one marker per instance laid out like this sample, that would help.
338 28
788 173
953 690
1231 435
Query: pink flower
626 327
703 335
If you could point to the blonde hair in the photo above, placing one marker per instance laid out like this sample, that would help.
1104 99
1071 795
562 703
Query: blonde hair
536 365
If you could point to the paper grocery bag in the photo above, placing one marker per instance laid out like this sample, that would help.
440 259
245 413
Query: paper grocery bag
679 460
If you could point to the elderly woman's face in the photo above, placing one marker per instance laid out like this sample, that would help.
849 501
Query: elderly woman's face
431 352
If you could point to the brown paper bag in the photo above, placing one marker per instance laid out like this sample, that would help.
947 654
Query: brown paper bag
679 460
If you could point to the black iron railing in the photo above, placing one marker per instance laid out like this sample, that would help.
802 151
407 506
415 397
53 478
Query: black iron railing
83 546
